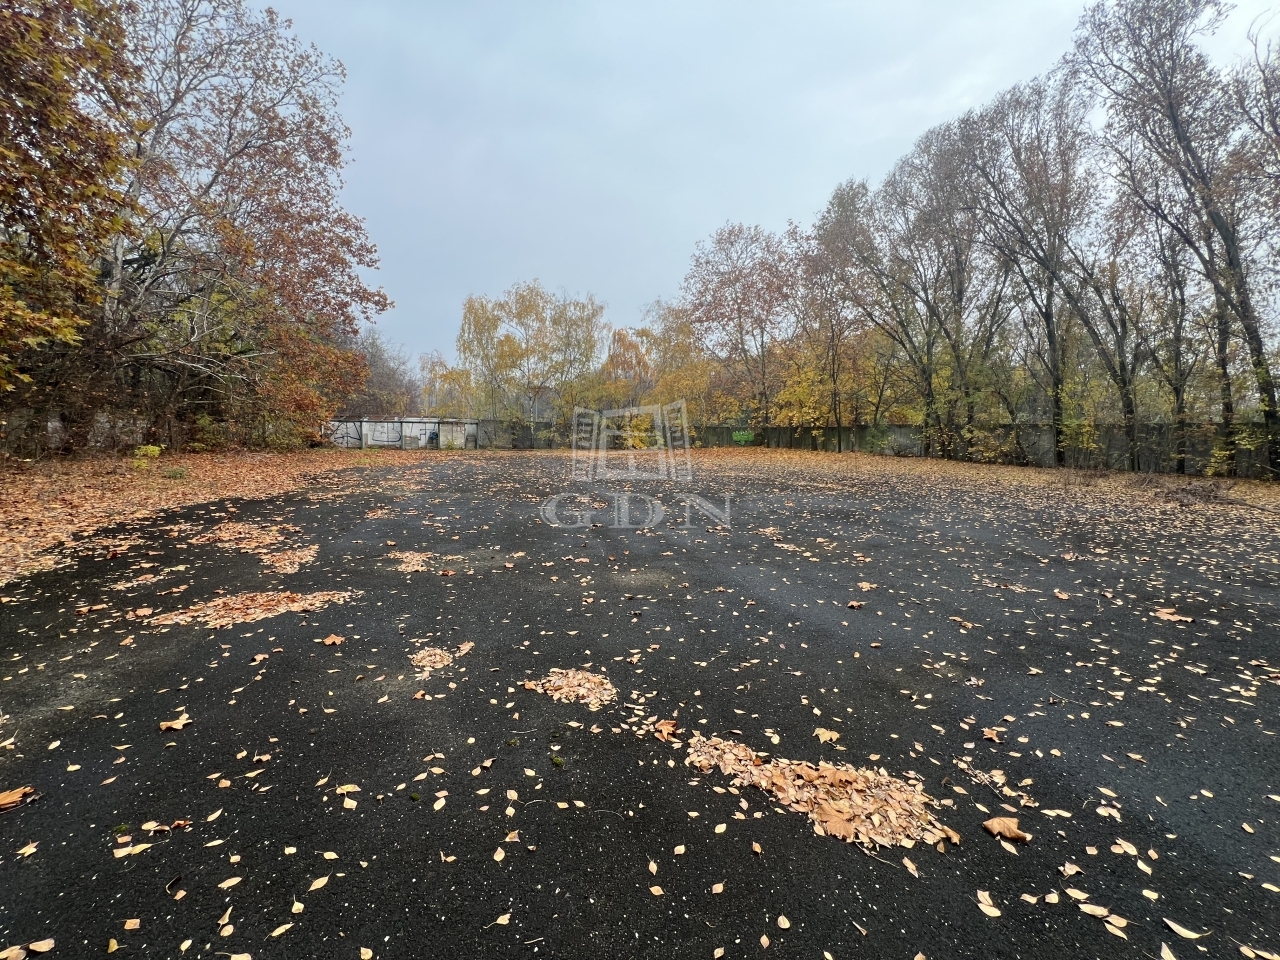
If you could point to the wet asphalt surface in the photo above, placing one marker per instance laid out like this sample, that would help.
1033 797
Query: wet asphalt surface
737 628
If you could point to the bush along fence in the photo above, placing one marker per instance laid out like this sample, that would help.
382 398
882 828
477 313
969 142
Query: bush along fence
1161 448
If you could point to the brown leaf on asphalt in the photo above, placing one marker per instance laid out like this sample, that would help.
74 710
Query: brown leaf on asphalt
826 736
16 797
280 929
764 941
41 946
317 883
656 890
1061 595
132 924
177 724
1069 869
783 922
333 640
29 849
1170 614
1006 827
911 867
1166 953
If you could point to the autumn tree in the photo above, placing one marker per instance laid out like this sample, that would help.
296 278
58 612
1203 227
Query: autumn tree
66 91
233 290
737 294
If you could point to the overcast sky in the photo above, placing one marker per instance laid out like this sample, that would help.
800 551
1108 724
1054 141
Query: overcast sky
591 145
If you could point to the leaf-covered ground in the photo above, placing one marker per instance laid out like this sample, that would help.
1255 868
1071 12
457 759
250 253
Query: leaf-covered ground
1058 695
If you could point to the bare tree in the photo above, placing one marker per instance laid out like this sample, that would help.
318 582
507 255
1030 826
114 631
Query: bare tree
736 292
1032 191
1172 119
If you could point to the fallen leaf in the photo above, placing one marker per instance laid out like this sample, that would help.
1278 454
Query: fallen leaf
317 883
281 929
1006 827
1184 932
178 724
783 922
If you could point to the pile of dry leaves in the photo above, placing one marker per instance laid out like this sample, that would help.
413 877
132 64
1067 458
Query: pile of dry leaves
433 658
412 561
260 541
577 686
290 561
248 607
862 806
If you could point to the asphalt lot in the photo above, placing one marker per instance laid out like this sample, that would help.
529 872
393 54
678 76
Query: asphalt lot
1156 736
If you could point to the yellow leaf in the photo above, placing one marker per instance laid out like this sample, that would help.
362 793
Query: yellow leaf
717 888
503 920
229 882
281 929
1184 932
366 953
317 883
656 890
